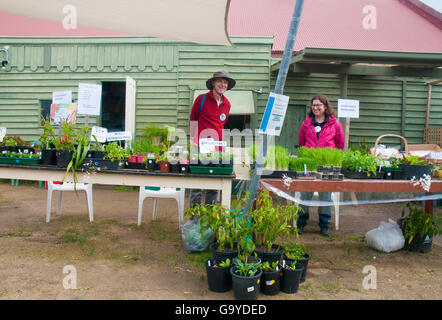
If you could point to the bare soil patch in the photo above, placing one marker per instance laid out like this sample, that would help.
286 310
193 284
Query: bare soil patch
116 259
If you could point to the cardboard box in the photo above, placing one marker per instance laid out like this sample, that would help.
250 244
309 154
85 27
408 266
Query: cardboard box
422 150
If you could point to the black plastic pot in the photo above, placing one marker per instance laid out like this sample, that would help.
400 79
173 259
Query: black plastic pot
151 164
223 255
49 157
409 171
291 279
270 282
184 167
175 168
304 261
63 158
270 256
393 173
354 174
219 278
245 288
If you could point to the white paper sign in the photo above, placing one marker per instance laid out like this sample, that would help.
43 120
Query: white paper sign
89 99
118 136
274 114
62 97
2 133
207 145
348 108
99 133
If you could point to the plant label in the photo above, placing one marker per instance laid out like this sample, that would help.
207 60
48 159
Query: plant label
274 114
2 133
250 289
99 133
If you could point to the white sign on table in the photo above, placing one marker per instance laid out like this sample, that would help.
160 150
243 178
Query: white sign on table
2 133
207 145
62 97
274 114
89 99
348 108
118 136
100 134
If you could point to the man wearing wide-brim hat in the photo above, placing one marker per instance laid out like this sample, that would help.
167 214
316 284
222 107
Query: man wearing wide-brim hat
207 119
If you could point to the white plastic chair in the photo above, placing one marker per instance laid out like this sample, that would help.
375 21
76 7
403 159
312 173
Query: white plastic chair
335 196
178 195
68 186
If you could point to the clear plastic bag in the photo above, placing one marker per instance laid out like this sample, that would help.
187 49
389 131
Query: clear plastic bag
191 234
387 237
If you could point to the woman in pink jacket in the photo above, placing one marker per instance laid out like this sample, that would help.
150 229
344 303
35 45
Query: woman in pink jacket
319 130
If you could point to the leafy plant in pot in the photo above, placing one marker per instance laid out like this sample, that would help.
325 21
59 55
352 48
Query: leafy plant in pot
245 273
270 278
66 144
116 154
271 222
412 166
291 276
218 274
296 252
81 147
47 139
418 228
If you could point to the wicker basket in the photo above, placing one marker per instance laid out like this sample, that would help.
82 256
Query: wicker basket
407 153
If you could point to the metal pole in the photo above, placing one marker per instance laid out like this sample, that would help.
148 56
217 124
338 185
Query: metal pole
279 88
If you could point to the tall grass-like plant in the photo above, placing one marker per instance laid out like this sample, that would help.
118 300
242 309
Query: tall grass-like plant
297 164
323 156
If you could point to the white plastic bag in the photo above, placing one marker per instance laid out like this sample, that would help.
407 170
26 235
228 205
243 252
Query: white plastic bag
387 237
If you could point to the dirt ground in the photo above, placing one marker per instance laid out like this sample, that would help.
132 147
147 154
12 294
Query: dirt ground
115 259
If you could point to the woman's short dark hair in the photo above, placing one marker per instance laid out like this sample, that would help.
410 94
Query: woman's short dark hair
329 111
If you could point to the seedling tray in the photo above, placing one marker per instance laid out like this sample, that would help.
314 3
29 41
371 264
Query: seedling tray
13 160
211 170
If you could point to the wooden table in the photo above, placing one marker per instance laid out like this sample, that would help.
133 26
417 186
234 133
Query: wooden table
354 185
124 177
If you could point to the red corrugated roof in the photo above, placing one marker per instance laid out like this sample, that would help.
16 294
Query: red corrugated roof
324 24
336 24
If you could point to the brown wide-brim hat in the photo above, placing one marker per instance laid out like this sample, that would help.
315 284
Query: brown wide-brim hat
221 74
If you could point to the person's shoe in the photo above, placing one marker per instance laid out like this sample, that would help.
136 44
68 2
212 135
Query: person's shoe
325 231
300 229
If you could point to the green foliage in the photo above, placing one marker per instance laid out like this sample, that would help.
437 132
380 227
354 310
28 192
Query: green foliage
114 150
13 141
48 136
272 221
217 218
355 161
268 267
323 156
361 146
294 251
247 269
297 164
414 160
418 222
291 265
277 157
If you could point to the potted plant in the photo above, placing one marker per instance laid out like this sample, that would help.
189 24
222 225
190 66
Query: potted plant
245 280
223 225
291 276
116 154
359 166
392 169
412 166
47 139
296 252
65 144
418 228
272 221
218 274
163 162
150 162
270 278
81 147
